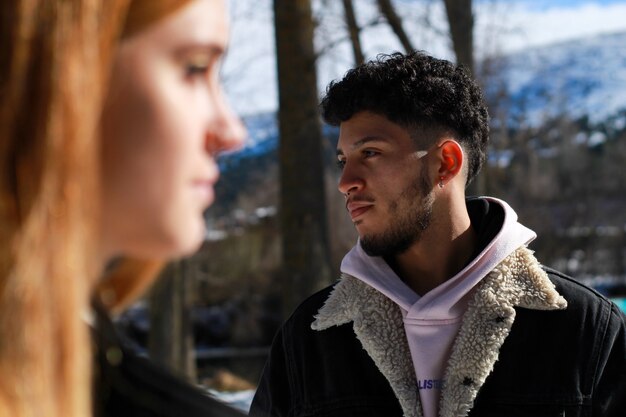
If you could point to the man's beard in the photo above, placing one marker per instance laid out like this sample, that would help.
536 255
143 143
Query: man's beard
410 214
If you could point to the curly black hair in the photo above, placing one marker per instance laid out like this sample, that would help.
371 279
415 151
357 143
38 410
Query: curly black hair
416 91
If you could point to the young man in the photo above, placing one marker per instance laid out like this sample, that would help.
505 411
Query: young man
441 309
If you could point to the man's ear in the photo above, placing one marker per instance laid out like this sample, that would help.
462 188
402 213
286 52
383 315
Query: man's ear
451 160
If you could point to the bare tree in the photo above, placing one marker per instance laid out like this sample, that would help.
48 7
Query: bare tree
354 30
387 10
306 259
461 21
170 340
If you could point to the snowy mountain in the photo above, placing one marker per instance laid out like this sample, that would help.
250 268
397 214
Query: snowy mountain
585 77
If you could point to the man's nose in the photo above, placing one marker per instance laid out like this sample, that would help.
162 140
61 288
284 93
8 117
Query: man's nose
350 180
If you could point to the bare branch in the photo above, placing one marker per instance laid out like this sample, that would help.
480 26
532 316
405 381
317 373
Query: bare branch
387 10
329 46
353 30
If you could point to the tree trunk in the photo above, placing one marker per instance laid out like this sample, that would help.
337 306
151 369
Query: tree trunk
170 342
354 30
461 21
387 10
305 251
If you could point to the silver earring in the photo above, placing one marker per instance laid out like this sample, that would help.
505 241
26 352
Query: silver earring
440 182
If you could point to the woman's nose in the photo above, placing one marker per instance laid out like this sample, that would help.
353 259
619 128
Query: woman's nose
226 132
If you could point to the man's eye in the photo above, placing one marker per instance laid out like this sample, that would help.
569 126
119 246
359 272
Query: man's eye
369 153
341 163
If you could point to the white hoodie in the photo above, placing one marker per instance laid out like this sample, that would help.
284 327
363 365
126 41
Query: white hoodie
432 321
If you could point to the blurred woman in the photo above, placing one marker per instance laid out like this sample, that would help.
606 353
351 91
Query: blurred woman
111 114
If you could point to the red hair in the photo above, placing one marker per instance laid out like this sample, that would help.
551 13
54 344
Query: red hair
55 58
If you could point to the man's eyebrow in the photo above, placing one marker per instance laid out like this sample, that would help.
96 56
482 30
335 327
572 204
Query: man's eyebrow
362 142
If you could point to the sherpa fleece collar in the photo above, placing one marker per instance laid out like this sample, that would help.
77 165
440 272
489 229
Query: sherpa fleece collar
377 321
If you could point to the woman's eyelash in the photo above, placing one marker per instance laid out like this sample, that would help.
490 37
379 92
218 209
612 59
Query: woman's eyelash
197 64
196 69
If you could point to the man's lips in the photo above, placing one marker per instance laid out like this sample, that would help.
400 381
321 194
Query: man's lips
357 208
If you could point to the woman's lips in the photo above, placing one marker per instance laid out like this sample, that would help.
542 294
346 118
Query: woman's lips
205 190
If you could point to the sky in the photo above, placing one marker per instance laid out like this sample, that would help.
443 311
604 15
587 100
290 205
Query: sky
547 4
501 27
536 23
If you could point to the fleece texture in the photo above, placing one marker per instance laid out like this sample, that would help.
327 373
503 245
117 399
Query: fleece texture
432 321
378 324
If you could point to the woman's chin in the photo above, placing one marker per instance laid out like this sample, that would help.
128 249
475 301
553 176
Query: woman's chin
175 240
189 243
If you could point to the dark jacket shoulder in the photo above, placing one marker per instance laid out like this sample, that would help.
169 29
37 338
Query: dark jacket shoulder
308 308
573 356
582 297
126 384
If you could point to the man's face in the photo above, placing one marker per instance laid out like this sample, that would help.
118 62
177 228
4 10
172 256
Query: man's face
386 183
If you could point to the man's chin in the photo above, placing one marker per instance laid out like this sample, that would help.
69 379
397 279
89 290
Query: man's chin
385 245
370 245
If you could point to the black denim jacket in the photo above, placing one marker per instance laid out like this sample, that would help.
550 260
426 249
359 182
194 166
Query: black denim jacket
568 362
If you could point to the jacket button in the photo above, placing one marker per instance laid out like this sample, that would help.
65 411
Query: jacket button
114 356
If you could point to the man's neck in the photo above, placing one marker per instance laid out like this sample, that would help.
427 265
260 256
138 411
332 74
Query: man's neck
444 249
